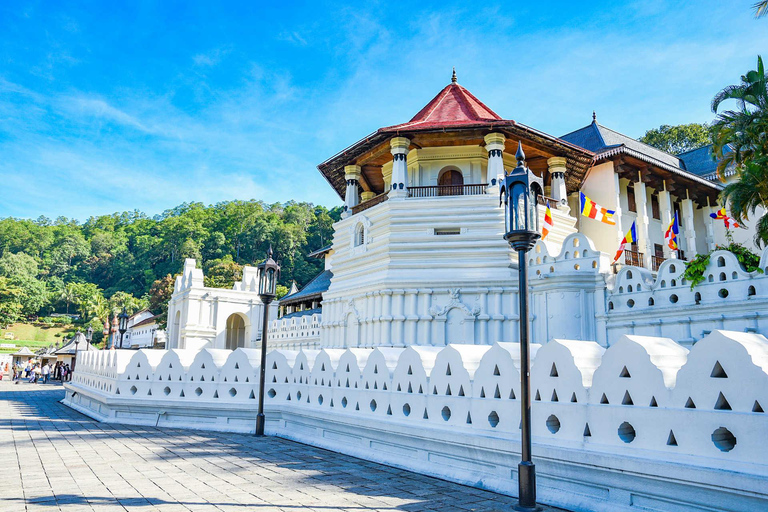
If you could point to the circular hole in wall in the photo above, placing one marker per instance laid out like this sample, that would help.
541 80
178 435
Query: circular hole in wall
320 399
446 413
553 424
406 410
198 391
493 419
576 267
133 390
373 405
630 303
344 402
271 393
723 293
167 390
232 392
724 440
673 298
627 432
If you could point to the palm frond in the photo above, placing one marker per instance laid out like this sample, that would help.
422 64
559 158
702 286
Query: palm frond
761 9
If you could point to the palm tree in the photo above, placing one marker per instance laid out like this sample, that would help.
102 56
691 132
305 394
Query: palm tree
761 9
748 194
69 294
740 135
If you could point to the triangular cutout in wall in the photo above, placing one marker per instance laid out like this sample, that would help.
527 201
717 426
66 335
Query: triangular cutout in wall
627 400
757 407
604 399
624 373
722 404
553 371
573 398
689 404
497 393
587 432
718 372
671 441
554 396
496 370
538 395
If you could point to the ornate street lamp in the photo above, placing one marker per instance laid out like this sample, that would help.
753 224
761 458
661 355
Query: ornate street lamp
520 192
105 334
269 271
77 342
123 322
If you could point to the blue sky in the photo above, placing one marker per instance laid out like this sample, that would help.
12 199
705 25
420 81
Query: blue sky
113 106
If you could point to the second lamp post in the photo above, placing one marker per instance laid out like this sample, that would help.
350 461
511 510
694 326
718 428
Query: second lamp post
269 271
520 191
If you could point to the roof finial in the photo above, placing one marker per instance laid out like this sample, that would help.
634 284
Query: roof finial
520 155
453 77
269 253
594 117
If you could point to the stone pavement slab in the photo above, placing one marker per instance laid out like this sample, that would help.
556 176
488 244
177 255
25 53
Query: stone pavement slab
55 459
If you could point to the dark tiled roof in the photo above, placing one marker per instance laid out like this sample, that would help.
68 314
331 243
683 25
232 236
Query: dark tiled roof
320 283
701 162
597 138
320 252
607 143
297 314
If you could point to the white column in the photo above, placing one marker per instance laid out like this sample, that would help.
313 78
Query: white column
352 175
665 204
399 148
620 228
494 144
557 171
709 222
690 232
642 221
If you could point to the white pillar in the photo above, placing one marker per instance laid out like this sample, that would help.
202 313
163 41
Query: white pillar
620 228
399 148
494 144
709 222
665 204
642 221
352 175
557 171
690 232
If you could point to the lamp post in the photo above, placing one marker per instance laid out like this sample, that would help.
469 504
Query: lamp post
123 322
269 271
519 192
77 342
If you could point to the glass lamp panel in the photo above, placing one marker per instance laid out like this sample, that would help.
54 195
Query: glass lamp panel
518 207
271 285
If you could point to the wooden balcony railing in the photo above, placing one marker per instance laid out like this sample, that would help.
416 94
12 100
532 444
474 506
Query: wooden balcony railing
634 258
544 200
447 190
370 203
656 262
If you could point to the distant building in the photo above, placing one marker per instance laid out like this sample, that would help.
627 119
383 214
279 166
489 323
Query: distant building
143 330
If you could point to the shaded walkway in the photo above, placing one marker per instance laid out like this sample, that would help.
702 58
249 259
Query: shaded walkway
53 458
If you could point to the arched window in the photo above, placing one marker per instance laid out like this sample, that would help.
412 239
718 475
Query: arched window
236 331
359 235
450 183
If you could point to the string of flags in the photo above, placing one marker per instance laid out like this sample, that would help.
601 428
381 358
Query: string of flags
629 238
591 209
728 221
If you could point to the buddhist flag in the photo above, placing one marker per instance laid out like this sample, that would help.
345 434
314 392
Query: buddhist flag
591 209
629 238
547 227
670 236
721 215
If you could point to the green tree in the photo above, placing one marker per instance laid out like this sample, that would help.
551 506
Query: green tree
678 139
223 273
10 302
159 294
740 141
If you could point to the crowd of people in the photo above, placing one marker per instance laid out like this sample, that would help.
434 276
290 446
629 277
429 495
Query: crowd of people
39 373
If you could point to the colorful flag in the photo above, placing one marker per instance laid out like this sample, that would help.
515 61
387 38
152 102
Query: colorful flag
670 235
629 238
721 215
591 209
547 227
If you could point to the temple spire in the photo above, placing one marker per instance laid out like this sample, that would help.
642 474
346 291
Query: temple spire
594 117
453 77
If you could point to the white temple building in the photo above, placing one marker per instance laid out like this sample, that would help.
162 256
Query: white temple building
419 259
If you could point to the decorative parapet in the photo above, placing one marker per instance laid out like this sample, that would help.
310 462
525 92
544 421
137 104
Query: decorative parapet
295 331
644 396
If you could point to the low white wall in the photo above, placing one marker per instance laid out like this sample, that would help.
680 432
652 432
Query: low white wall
645 424
295 332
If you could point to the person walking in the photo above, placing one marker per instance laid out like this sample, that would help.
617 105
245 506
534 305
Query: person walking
46 372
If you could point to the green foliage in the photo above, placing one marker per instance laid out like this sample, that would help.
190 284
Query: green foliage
740 141
281 291
128 259
695 269
678 139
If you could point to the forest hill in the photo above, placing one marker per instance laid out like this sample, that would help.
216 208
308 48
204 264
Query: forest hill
129 258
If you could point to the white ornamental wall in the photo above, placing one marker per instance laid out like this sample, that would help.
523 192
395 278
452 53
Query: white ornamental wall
645 423
197 315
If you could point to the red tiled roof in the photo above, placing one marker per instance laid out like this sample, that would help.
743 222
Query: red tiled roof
454 106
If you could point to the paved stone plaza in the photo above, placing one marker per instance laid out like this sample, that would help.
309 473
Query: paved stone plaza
54 458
